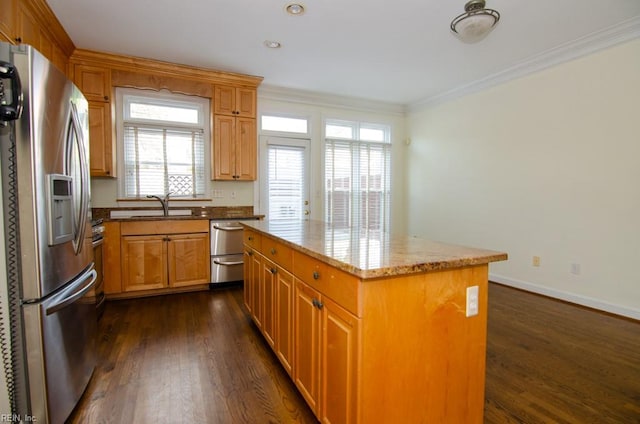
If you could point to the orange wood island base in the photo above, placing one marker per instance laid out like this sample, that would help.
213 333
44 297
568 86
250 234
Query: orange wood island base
372 328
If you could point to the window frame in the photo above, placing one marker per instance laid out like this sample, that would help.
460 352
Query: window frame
357 125
125 96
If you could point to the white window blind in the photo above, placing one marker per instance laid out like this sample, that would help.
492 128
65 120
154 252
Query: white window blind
163 160
286 189
357 176
163 148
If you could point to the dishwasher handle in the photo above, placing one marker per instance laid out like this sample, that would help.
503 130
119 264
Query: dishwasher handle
234 228
227 263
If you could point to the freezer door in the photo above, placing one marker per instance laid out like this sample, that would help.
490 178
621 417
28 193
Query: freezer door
60 337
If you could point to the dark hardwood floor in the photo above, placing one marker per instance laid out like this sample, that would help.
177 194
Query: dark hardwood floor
196 358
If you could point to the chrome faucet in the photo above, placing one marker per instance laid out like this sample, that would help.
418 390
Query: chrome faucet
163 201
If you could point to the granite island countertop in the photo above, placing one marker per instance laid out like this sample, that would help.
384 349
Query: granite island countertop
371 254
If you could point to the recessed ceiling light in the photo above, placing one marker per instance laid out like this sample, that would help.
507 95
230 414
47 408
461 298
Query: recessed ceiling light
272 44
294 9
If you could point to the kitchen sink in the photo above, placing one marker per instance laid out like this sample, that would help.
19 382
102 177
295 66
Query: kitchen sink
153 213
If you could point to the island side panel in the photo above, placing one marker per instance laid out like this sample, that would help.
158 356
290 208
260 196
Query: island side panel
423 360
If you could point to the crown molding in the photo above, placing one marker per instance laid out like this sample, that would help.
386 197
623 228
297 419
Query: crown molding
600 40
291 95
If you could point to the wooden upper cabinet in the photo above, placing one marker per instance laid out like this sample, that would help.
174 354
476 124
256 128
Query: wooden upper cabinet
101 149
8 18
235 101
234 149
28 31
94 82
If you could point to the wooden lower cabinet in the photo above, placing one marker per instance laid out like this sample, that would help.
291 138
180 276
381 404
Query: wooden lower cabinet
267 299
155 256
395 349
326 355
159 261
284 292
144 262
188 260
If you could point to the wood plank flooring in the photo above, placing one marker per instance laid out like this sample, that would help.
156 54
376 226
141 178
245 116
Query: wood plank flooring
196 358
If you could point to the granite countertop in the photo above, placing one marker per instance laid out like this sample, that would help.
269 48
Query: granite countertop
197 212
372 254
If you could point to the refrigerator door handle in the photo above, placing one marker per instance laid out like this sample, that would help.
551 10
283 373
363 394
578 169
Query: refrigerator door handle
77 290
84 179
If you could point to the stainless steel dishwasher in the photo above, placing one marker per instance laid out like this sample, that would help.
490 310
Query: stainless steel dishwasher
226 252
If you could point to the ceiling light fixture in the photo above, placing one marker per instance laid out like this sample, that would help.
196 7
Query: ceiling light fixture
294 9
473 25
272 44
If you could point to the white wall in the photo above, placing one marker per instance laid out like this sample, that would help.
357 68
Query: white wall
546 165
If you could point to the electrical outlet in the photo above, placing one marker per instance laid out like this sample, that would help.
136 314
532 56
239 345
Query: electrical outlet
472 301
575 269
536 261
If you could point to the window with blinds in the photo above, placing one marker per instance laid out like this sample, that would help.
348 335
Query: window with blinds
286 182
357 175
163 145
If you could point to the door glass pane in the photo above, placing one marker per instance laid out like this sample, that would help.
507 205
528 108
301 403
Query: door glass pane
286 182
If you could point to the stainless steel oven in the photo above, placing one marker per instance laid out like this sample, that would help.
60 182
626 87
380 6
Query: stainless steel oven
226 252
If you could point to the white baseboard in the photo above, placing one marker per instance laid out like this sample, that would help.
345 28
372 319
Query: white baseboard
569 297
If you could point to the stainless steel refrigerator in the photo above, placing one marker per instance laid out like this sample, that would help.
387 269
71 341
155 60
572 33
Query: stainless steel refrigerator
47 223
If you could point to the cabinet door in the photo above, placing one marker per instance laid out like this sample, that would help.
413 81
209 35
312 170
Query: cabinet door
339 364
284 318
8 19
245 149
111 257
188 258
307 346
267 299
100 139
94 82
224 101
223 148
28 30
256 268
246 102
247 290
144 262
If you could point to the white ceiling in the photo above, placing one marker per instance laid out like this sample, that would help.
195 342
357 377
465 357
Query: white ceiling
400 52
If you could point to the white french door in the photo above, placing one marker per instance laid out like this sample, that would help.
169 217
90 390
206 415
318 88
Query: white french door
284 192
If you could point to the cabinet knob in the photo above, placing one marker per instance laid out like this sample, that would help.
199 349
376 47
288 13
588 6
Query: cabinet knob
106 98
316 275
273 270
18 39
250 253
315 302
250 238
273 251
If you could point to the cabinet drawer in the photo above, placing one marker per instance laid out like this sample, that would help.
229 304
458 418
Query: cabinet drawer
277 252
329 281
164 226
251 238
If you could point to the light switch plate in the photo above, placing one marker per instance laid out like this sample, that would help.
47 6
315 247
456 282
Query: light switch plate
472 301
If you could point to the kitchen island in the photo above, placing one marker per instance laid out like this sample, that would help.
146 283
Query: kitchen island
372 328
